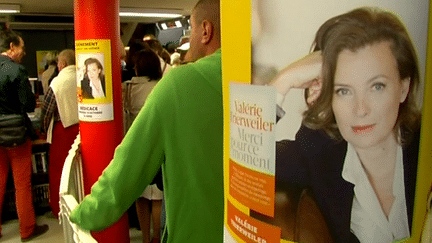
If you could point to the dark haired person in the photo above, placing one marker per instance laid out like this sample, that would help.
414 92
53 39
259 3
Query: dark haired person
16 97
93 83
148 72
134 47
164 57
358 146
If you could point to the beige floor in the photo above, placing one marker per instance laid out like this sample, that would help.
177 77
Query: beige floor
54 234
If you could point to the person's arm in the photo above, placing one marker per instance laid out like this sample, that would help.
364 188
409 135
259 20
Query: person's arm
48 109
291 168
304 73
136 161
25 94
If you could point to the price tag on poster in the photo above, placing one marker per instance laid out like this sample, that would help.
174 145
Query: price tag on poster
94 80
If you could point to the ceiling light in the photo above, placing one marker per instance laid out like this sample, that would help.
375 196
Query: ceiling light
9 8
149 13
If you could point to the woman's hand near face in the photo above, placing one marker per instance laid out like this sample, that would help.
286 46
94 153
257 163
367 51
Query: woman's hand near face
304 73
314 91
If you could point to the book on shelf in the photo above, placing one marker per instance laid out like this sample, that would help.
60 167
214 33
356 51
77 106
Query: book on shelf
40 162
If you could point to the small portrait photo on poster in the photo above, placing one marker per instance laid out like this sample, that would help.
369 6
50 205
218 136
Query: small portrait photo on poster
92 77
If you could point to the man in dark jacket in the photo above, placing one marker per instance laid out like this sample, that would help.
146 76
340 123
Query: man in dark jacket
16 97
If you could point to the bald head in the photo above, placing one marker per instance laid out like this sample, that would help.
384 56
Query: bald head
66 58
208 10
205 34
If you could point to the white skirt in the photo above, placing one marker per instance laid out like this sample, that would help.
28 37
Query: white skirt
152 192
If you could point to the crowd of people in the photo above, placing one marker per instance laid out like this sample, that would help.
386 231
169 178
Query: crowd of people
146 62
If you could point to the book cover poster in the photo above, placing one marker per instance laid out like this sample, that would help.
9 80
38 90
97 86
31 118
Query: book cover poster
94 80
252 160
345 83
43 59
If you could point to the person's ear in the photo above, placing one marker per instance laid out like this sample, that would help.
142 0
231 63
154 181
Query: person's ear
11 46
61 64
207 31
405 89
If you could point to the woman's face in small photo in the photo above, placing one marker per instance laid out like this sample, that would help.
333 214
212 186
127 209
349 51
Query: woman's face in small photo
367 94
93 71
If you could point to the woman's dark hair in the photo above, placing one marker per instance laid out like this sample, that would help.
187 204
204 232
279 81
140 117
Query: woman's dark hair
352 31
166 57
134 47
155 45
148 64
91 60
6 37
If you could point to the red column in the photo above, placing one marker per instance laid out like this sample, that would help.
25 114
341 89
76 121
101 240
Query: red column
99 19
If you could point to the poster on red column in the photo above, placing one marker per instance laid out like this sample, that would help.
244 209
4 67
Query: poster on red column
94 80
326 113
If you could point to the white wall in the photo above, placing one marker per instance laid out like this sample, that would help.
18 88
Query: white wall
289 26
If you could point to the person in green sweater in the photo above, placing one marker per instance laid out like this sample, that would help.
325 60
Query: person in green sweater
179 128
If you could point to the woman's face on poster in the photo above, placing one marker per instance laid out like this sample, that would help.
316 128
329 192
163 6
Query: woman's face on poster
93 71
367 94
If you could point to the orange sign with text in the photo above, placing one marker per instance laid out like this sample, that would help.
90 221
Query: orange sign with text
250 229
253 189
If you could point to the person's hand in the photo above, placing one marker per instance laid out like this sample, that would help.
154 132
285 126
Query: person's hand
314 91
39 103
304 73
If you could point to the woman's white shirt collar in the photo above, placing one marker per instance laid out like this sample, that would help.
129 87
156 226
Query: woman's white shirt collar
368 221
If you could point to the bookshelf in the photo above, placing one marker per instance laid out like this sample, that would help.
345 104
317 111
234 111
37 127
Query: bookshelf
40 151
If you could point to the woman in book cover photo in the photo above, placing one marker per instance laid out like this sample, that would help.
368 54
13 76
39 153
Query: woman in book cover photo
356 150
93 83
